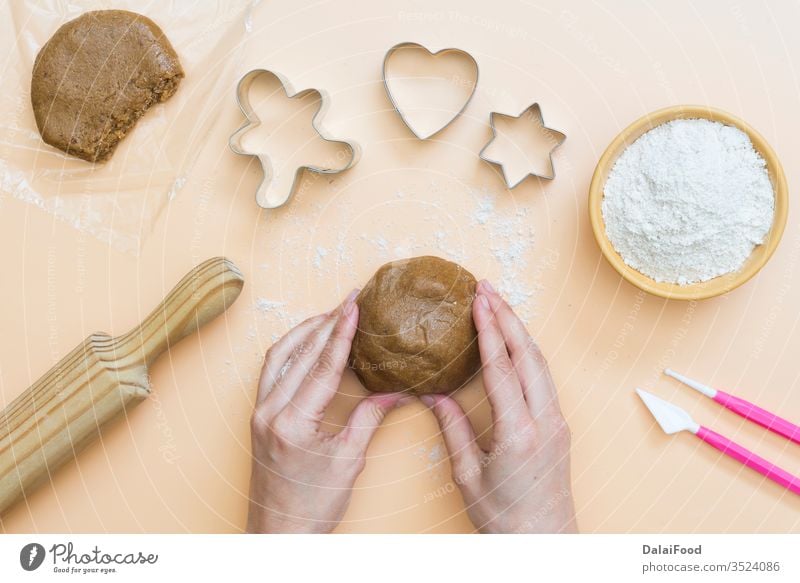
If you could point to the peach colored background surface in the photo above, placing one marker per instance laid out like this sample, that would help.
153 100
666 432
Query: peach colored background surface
180 461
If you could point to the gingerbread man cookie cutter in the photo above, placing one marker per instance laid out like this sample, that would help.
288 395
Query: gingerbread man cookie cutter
264 197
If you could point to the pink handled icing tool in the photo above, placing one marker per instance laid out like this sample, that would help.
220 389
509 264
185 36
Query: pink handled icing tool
744 408
673 419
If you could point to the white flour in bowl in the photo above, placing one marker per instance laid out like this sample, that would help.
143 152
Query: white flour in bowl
688 201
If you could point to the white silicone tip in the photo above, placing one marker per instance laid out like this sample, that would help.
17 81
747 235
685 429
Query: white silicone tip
671 418
705 389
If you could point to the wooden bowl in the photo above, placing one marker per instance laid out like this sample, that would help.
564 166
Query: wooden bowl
718 285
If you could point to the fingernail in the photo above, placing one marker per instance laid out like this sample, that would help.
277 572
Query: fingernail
350 303
483 301
352 296
428 400
488 286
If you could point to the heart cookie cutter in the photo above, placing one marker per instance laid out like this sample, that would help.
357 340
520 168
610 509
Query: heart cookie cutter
252 120
397 107
535 110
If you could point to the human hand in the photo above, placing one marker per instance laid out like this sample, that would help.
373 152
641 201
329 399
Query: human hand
302 477
522 483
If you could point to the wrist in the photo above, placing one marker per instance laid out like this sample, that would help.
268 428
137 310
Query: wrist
554 514
263 521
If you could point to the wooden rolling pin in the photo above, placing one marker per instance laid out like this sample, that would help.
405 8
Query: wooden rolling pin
63 411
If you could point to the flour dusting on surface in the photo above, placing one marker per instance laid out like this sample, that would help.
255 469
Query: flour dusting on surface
432 456
265 306
319 255
485 209
511 243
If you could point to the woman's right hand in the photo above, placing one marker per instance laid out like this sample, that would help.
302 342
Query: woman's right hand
522 482
303 476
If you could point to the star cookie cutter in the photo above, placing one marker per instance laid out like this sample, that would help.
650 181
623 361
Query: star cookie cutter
533 109
263 198
404 115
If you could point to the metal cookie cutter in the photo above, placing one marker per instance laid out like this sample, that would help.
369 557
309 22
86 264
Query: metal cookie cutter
404 117
263 197
558 139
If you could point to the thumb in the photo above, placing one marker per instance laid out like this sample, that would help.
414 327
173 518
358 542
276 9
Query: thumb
367 417
459 437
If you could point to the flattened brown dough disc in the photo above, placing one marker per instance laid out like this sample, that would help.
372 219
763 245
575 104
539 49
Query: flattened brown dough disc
97 76
415 331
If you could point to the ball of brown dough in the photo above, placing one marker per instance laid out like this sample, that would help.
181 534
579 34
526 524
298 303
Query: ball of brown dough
415 331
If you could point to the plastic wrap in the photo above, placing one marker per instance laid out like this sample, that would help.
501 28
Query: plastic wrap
119 201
